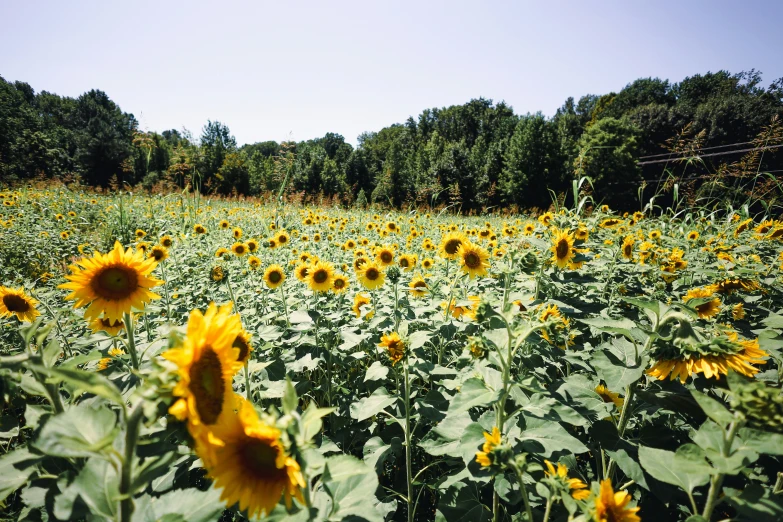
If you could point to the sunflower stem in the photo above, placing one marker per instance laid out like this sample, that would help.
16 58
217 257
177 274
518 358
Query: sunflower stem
523 491
166 291
408 471
548 508
128 320
717 480
247 383
131 436
285 306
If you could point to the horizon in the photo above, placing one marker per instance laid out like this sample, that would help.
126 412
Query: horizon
361 77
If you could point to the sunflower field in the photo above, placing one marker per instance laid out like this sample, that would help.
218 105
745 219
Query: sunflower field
181 358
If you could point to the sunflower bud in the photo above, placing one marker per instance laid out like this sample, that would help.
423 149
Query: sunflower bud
477 347
484 311
529 263
217 274
393 274
761 404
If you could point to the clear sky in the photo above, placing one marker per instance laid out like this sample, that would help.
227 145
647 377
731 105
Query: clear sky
296 69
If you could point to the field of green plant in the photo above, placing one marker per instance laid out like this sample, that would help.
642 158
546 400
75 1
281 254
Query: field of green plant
180 358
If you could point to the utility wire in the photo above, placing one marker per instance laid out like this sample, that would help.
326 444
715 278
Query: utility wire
682 158
696 149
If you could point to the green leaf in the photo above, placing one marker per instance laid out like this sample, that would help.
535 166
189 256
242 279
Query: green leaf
462 503
98 486
685 468
15 468
81 431
546 437
376 451
444 439
617 366
290 399
756 503
473 393
185 505
419 338
376 372
470 442
714 409
83 381
548 408
372 405
762 441
310 423
350 483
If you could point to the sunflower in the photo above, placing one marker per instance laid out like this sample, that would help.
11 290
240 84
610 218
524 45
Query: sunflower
738 312
64 235
339 284
301 271
220 252
729 286
458 311
140 233
550 312
654 235
252 245
627 248
237 233
370 275
392 227
251 465
529 228
320 276
609 396
491 441
561 475
394 345
473 259
224 224
407 262
739 356
254 262
16 302
418 286
385 255
158 253
449 245
112 283
217 274
742 227
206 363
427 263
562 248
611 506
706 307
283 238
693 235
242 344
239 249
100 324
166 241
274 276
361 300
198 228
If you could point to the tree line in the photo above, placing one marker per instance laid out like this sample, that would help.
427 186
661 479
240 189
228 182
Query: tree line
471 157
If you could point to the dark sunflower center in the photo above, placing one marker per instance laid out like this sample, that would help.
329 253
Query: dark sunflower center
628 249
320 276
157 255
206 384
339 283
259 460
116 282
419 284
109 323
562 249
303 271
372 274
166 243
15 303
452 246
239 249
275 277
282 239
472 260
244 348
386 257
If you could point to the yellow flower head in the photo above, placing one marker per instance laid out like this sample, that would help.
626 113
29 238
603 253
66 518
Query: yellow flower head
17 303
112 283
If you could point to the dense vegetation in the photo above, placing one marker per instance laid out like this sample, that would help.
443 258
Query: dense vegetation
472 156
386 367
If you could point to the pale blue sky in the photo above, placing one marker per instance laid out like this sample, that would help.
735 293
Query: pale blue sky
270 70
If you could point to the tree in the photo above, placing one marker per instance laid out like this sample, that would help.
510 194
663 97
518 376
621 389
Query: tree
532 163
216 143
609 149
